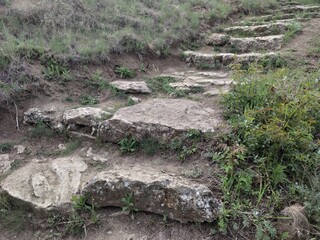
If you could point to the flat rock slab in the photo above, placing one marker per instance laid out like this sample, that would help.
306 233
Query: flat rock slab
159 118
250 44
226 59
153 191
131 87
45 185
86 116
260 30
192 80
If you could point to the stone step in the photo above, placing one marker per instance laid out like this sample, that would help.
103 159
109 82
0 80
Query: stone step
259 30
215 60
48 185
45 185
245 45
131 86
255 23
299 9
248 44
162 119
274 17
154 191
214 82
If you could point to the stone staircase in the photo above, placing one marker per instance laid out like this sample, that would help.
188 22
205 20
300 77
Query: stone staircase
47 184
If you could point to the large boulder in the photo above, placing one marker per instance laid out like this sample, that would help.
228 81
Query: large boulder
45 184
155 192
159 118
85 116
131 87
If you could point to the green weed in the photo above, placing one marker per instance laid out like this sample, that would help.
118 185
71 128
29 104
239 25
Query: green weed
42 130
124 72
128 145
88 100
274 121
6 146
128 204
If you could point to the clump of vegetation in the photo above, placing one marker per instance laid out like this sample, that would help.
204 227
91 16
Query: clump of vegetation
124 72
273 147
6 146
293 29
128 145
88 100
42 129
150 146
11 216
54 71
128 203
258 5
76 222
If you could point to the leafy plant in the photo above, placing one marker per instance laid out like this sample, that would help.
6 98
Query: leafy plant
128 203
128 145
88 100
150 146
6 146
42 130
55 71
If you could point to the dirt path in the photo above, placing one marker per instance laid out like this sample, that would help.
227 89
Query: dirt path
301 44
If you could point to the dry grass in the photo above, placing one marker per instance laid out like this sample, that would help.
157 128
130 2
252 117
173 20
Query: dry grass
94 28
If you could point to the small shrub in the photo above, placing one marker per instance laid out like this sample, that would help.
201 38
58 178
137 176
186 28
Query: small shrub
128 145
150 146
125 72
128 203
88 100
6 146
54 71
42 130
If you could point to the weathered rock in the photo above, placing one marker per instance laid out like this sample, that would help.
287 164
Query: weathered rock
257 43
217 39
5 163
36 115
160 118
260 30
226 59
45 185
86 116
131 87
155 192
20 149
216 91
299 9
273 17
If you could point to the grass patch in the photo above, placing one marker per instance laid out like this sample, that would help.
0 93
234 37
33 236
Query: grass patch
293 29
6 146
42 130
273 147
124 72
88 100
11 216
